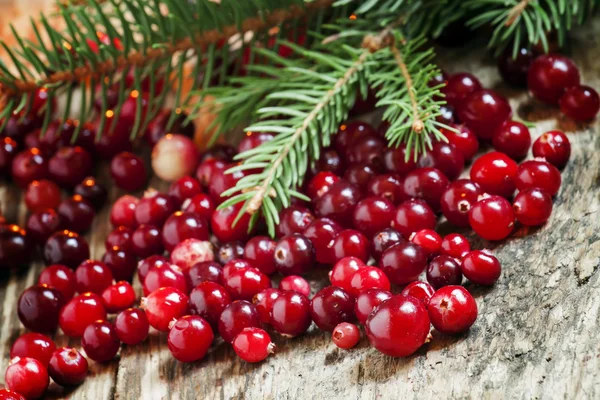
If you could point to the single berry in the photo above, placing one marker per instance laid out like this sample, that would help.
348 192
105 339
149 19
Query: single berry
147 263
41 195
429 240
164 275
184 188
403 263
514 67
41 225
330 307
190 338
38 308
76 213
93 276
28 377
459 86
294 255
222 181
235 317
146 241
122 263
452 310
513 139
119 237
118 297
368 278
69 166
223 227
420 290
384 239
79 312
550 75
291 314
100 341
253 344
367 301
33 345
260 251
395 160
14 246
154 208
350 243
264 303
532 207
413 216
60 278
132 326
92 191
427 184
181 226
348 132
163 305
339 202
357 175
455 245
458 199
445 157
28 166
230 251
345 335
495 173
372 215
388 187
464 139
484 111
322 232
190 252
208 300
443 271
330 161
200 204
492 218
123 211
66 248
539 175
481 267
292 220
244 284
321 183
580 103
68 367
207 271
554 146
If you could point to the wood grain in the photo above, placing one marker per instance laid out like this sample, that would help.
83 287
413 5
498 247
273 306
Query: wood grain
536 336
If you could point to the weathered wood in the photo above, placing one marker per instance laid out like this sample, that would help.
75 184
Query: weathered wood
536 335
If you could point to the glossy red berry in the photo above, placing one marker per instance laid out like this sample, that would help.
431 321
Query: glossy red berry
321 183
372 215
237 316
345 335
264 303
222 181
235 265
122 263
184 188
81 311
119 237
69 166
368 278
132 326
260 251
295 283
76 213
514 68
208 271
38 308
93 276
331 306
146 241
200 204
445 157
367 150
481 267
452 310
386 186
100 341
455 245
395 160
68 367
8 151
420 290
399 326
209 300
495 173
164 275
403 263
123 211
443 271
154 208
147 263
532 207
330 162
358 176
492 218
244 284
128 171
580 103
291 314
459 86
118 297
429 240
190 252
484 111
6 394
253 344
254 139
28 166
384 239
554 146
92 191
294 255
229 251
41 225
33 345
322 232
349 132
223 227
60 278
293 219
367 301
427 184
190 338
413 216
540 175
343 271
209 168
458 199
28 377
339 202
66 248
181 226
41 195
550 75
163 305
350 243
464 139
513 139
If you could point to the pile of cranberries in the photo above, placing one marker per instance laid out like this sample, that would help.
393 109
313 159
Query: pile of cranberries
371 222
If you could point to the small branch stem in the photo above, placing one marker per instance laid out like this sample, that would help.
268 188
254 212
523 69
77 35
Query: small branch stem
417 124
516 11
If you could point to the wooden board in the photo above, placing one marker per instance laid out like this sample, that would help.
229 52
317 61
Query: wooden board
536 335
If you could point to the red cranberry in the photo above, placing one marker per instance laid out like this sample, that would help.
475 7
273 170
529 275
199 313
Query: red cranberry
264 303
164 275
459 86
345 335
123 211
429 240
121 263
253 345
339 202
6 394
395 160
368 278
350 243
445 157
190 338
384 239
28 166
66 248
223 152
28 377
295 283
398 326
200 204
260 251
532 207
79 312
426 183
208 300
321 183
146 241
128 171
69 166
484 111
554 146
157 128
184 188
495 173
60 278
455 245
492 218
41 195
419 290
154 208
38 308
367 150
76 213
41 225
222 181
235 265
291 314
113 142
294 255
458 199
513 139
481 267
403 263
452 310
181 226
93 276
254 139
330 307
230 251
443 271
120 237
147 263
343 271
540 175
372 215
209 168
100 341
388 186
412 216
68 367
190 252
438 80
349 132
235 317
8 151
580 103
514 68
14 246
33 345
118 297
447 115
322 232
330 162
463 139
550 75
367 301
357 175
223 227
92 191
244 284
292 220
163 305
132 326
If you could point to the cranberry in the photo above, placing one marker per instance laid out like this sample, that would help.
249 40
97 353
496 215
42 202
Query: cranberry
349 132
339 202
184 188
426 183
38 308
76 213
412 216
372 215
321 183
237 316
514 68
367 150
388 186
33 345
429 240
79 312
60 278
123 211
398 326
292 220
154 208
539 175
69 166
463 139
438 80
28 166
190 338
204 271
145 265
92 191
14 246
244 284
260 251
367 301
495 173
343 271
443 271
6 394
8 151
163 305
331 306
295 283
455 245
350 243
513 139
223 227
230 251
484 111
492 218
173 157
580 103
42 224
554 146
121 262
294 255
322 232
157 128
208 300
181 226
28 377
445 157
208 169
41 195
93 276
235 265
222 152
395 160
358 176
223 181
330 162
550 75
66 248
291 314
132 326
368 278
532 207
481 267
190 252
200 204
120 237
447 114
459 86
68 367
118 297
100 341
345 335
403 263
384 239
264 303
253 344
146 241
452 310
112 142
419 290
128 171
458 199
254 139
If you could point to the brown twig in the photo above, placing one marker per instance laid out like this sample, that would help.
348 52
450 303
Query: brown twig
417 125
516 12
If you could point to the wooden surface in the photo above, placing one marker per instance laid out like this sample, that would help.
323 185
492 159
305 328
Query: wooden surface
536 336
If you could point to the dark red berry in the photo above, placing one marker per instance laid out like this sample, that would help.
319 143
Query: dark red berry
237 316
93 276
412 216
321 183
481 267
367 150
372 215
420 290
331 306
532 207
459 86
350 243
76 213
458 199
554 146
540 175
495 173
100 341
38 308
68 367
208 300
445 157
427 184
384 239
264 303
154 208
322 232
33 345
123 211
349 132
291 314
294 255
230 251
513 139
41 195
443 271
181 226
41 225
28 166
359 176
580 103
121 262
223 227
145 265
338 203
69 166
463 139
452 310
293 219
295 283
330 162
395 160
345 335
514 68
200 204
550 75
368 278
128 171
190 338
208 271
388 186
455 245
403 263
244 284
492 218
8 151
60 278
367 301
120 237
146 241
66 248
484 111
92 191
163 306
260 251
132 326
28 377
